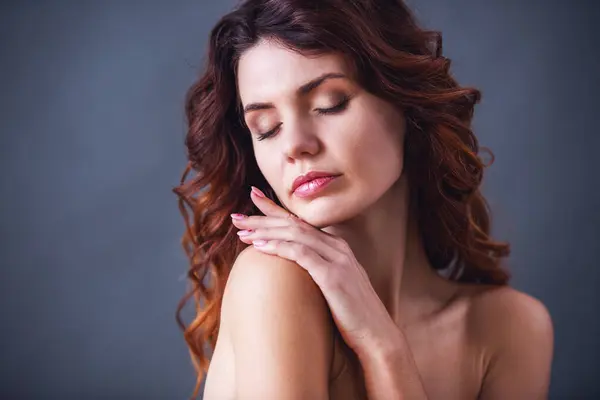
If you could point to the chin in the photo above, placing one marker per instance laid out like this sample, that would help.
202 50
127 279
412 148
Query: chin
320 221
324 211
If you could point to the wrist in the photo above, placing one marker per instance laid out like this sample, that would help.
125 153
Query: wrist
390 370
383 349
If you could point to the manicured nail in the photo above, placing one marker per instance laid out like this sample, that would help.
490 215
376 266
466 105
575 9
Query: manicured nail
259 243
238 216
258 192
245 232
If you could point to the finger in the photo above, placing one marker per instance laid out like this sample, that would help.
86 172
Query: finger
293 234
266 205
259 221
303 255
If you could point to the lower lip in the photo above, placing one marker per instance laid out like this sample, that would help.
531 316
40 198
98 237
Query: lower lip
310 188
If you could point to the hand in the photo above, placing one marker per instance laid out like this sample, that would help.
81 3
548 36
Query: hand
359 314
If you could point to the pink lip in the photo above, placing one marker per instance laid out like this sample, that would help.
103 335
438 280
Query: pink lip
309 177
313 186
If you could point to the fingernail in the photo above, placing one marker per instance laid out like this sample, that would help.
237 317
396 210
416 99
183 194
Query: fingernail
245 232
259 243
258 192
238 216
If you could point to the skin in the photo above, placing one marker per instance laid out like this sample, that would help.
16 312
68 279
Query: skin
279 340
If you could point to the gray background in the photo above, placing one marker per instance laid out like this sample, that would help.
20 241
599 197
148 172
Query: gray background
92 128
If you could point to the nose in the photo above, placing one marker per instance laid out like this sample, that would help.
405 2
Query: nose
299 141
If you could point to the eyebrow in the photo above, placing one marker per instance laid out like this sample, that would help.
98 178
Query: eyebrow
301 91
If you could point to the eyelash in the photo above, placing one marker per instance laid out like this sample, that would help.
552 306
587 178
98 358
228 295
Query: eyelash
321 111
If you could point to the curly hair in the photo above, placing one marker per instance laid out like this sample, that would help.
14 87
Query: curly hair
393 58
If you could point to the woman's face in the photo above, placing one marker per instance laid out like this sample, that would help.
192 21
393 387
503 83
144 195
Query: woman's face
360 140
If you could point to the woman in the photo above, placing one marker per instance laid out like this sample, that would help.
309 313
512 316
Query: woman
372 273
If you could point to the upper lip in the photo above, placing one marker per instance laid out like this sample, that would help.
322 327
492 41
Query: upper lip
309 177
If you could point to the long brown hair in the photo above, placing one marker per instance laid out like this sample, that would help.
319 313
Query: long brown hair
394 59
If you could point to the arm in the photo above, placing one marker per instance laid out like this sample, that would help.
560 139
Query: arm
391 372
280 329
521 344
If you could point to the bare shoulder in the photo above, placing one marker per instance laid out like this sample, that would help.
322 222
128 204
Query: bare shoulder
279 326
257 277
498 311
515 332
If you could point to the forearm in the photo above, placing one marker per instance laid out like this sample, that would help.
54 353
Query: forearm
391 372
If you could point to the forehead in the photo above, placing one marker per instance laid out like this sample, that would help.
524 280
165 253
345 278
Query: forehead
269 71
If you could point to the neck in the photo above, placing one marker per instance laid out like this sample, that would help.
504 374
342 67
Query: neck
386 241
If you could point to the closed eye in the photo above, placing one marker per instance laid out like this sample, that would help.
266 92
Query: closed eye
321 111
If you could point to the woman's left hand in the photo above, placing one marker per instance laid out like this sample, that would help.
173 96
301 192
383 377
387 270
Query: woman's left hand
359 314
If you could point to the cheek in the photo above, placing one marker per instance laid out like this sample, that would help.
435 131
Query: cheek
377 152
376 128
267 166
